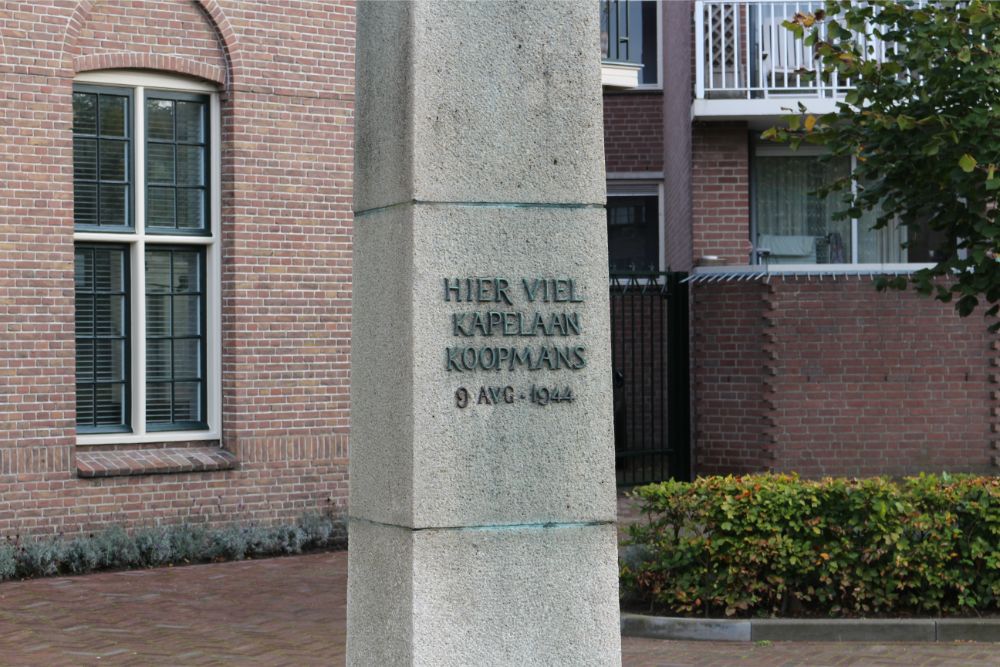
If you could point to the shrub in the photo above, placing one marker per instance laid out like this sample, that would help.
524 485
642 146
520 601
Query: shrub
8 561
116 548
778 545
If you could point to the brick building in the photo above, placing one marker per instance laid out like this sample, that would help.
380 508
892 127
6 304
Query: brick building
797 363
175 261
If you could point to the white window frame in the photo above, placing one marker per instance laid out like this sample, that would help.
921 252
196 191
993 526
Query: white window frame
137 240
627 185
773 150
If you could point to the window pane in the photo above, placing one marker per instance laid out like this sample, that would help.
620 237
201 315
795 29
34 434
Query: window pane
160 119
114 207
633 233
85 203
186 315
84 315
793 224
158 366
177 155
85 361
190 122
187 358
109 360
649 42
157 271
113 160
114 111
160 163
187 402
109 315
83 269
879 246
110 406
85 405
100 162
190 169
157 315
84 113
159 207
187 268
109 269
190 208
101 335
84 159
158 402
175 340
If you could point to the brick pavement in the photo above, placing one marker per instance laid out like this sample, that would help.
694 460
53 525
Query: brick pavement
291 611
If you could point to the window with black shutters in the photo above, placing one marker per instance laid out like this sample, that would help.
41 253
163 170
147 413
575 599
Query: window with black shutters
102 158
102 381
145 171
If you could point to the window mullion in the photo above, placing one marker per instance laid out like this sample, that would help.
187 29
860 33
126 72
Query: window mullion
138 336
139 269
139 141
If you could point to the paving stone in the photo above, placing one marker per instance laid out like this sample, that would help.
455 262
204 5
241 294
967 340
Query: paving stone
292 611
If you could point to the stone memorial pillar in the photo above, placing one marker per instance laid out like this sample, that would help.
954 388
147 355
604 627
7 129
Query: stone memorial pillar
482 499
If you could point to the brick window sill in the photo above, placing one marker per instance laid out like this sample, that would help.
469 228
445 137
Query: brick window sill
160 461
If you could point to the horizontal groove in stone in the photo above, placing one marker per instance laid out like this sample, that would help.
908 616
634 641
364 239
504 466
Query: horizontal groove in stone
479 204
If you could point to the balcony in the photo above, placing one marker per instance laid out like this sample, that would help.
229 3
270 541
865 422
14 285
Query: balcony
630 55
748 65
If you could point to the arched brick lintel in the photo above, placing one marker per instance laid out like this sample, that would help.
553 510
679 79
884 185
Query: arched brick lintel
153 61
213 13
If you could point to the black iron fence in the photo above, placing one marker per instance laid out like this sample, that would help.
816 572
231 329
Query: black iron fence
649 347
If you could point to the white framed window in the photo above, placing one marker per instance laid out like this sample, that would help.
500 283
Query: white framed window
635 226
146 162
790 224
630 33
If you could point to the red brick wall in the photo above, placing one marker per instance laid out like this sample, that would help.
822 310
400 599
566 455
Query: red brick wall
287 112
876 383
633 132
720 197
728 378
835 378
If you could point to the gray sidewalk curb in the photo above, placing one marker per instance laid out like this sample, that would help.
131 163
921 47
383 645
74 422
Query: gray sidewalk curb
814 630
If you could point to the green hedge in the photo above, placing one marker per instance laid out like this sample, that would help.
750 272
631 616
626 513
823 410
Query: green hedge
767 545
154 546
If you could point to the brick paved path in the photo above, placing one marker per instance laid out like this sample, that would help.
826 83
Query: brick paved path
290 611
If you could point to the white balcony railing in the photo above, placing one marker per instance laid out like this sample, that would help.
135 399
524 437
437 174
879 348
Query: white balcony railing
743 52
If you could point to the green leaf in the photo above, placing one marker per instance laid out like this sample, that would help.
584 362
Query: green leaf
967 163
796 29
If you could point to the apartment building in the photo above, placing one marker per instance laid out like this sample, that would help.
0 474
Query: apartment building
796 362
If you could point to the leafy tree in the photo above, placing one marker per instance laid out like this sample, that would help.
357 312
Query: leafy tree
923 121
